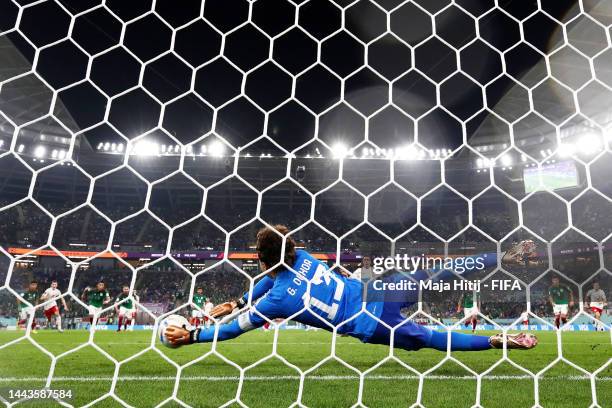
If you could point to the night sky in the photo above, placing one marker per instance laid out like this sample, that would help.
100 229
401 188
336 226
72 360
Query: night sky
202 91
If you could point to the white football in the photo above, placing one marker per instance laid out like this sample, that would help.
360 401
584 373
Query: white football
172 320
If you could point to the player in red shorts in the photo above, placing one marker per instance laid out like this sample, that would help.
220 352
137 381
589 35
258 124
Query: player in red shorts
50 309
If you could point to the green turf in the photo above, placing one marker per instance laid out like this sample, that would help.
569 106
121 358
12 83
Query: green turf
274 381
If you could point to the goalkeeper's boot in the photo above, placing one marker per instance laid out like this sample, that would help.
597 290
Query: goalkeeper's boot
521 341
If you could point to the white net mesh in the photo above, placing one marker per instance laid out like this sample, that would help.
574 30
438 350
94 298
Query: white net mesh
132 135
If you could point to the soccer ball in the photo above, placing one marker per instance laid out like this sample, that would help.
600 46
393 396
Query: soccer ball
172 320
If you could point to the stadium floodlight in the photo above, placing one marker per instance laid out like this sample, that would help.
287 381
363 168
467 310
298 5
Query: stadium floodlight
144 148
566 149
106 146
589 143
61 154
39 152
216 149
120 147
506 160
339 150
364 152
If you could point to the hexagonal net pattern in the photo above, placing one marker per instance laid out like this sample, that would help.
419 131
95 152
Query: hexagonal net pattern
144 143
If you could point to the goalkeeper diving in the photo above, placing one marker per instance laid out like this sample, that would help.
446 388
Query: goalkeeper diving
334 301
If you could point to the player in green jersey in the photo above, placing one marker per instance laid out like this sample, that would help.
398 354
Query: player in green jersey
125 308
561 298
199 300
25 311
96 299
469 304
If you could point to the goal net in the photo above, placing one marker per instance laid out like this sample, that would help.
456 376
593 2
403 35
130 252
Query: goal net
143 144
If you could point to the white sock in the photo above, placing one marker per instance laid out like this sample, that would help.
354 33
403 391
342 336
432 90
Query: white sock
58 322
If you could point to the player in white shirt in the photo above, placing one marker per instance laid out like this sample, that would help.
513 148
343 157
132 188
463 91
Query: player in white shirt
595 299
525 318
364 271
50 309
208 307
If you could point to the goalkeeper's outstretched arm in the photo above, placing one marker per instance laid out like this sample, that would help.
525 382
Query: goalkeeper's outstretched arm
247 320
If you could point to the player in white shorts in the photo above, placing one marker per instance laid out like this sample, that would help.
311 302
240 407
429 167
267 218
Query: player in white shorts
525 318
26 310
468 302
126 308
595 299
50 308
561 298
208 307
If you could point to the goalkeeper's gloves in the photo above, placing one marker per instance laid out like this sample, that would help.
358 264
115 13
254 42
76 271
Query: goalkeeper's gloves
194 335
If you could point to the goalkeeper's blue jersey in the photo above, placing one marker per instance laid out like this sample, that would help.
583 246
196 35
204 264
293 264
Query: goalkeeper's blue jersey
331 300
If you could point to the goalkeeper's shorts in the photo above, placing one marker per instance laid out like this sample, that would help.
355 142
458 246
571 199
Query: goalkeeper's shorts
408 336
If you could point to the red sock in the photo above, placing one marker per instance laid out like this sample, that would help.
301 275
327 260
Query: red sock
33 325
127 321
474 321
120 321
557 321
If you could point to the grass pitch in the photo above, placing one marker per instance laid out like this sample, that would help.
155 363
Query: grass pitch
145 379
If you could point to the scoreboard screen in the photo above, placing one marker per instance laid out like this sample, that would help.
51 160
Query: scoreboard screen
554 176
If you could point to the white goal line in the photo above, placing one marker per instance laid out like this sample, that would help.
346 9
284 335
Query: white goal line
296 377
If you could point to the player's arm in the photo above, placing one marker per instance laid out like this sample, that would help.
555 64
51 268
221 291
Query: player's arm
84 294
587 297
65 304
550 298
107 299
260 289
246 321
460 303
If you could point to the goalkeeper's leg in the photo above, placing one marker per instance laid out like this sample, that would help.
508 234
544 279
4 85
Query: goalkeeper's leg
412 336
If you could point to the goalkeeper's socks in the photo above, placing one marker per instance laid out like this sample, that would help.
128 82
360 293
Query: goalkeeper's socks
459 342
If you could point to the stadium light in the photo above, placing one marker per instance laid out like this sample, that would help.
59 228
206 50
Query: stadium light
61 154
216 149
39 152
339 150
566 149
144 148
506 160
589 143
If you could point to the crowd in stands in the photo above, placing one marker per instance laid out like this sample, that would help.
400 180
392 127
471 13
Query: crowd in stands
26 225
